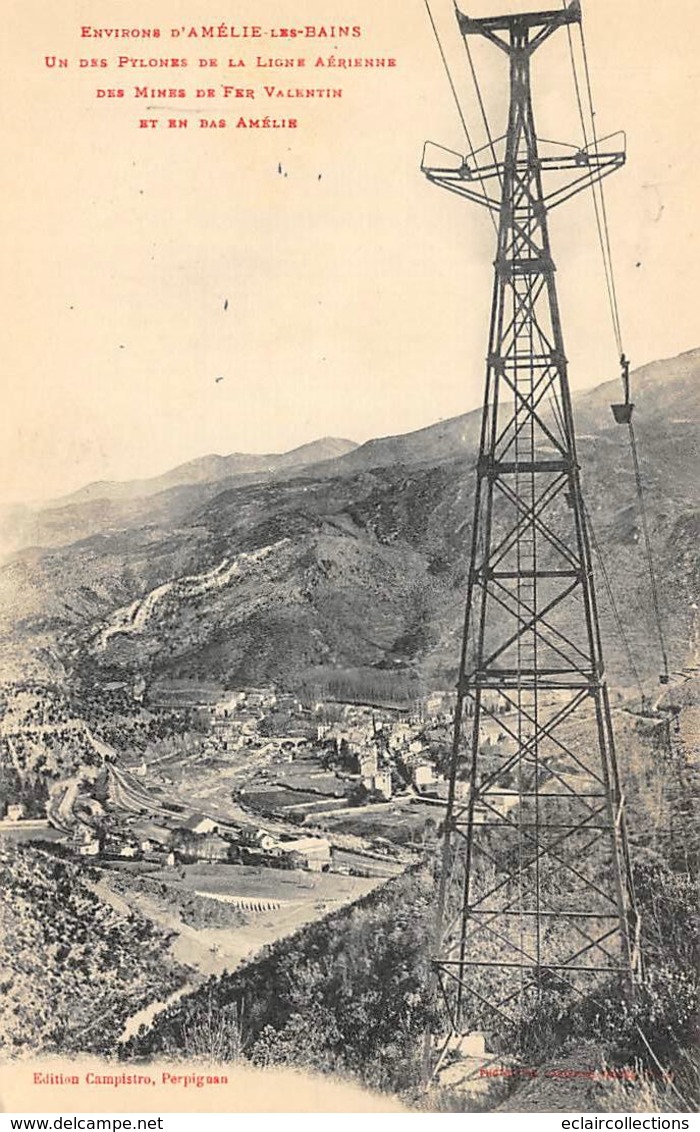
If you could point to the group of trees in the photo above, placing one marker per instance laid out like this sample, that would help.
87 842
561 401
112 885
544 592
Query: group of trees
32 792
194 909
40 744
384 687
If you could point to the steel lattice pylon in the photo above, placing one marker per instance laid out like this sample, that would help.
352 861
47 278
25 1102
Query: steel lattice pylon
536 887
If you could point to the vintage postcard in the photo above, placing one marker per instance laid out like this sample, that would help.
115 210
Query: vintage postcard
348 557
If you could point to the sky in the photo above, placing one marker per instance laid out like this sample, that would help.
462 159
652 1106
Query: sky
171 293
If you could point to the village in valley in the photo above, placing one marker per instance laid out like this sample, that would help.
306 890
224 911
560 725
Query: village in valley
268 779
256 777
226 818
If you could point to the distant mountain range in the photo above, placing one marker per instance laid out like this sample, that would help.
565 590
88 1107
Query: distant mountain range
260 568
213 469
107 505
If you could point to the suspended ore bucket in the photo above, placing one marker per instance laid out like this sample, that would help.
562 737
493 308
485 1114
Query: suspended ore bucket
622 413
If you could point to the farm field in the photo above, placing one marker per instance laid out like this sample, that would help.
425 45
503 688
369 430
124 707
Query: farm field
210 948
276 884
277 799
288 785
17 833
402 824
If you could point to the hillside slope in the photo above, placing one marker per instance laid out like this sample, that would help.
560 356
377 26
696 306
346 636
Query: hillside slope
365 557
76 967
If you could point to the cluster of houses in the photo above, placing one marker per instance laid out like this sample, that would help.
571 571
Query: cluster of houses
201 838
375 779
412 743
238 721
387 751
267 722
378 741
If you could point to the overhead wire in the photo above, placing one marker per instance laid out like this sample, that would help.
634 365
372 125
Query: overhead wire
613 603
601 191
648 551
458 104
450 80
482 108
603 227
598 205
577 85
607 583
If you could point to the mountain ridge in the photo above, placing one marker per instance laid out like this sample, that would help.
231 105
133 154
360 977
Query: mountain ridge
205 469
367 554
170 497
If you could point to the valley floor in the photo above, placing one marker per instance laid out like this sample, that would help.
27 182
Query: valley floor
287 900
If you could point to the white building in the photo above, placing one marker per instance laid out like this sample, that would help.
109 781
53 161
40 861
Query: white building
313 853
264 839
199 823
368 765
423 775
434 703
382 783
400 734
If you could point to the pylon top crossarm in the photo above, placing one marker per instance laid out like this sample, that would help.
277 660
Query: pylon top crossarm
588 165
479 176
520 26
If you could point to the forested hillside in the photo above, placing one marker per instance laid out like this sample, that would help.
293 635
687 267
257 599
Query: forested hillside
76 966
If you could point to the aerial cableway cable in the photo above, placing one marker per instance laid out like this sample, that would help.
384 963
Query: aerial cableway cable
625 416
600 209
482 108
556 410
603 208
648 551
613 603
458 104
